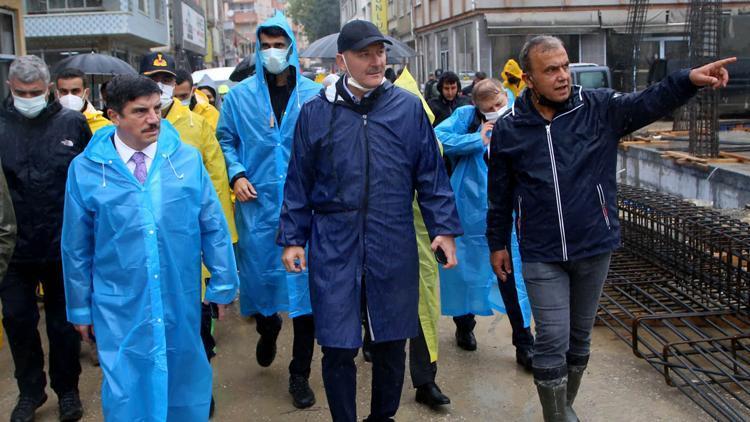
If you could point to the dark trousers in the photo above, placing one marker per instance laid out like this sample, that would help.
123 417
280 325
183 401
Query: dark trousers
422 370
522 337
209 343
340 381
303 344
20 319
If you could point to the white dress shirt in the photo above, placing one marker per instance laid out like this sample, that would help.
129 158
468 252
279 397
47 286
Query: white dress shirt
126 153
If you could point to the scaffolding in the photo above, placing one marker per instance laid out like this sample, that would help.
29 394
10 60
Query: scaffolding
636 20
701 115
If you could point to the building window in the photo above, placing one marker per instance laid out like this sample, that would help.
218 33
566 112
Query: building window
7 47
466 49
142 6
7 34
158 9
61 6
242 7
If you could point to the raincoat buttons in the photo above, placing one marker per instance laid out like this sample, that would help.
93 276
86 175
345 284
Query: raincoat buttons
156 276
150 232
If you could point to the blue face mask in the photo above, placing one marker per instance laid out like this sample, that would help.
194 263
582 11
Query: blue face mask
275 60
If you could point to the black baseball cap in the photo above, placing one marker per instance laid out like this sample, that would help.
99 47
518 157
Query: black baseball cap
158 62
358 34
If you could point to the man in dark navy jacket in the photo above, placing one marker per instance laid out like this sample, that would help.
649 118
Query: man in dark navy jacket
553 159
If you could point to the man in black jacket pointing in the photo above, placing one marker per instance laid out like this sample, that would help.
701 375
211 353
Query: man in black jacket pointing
553 159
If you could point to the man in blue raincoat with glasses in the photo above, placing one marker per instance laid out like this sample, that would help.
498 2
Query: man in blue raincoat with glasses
255 132
140 210
362 148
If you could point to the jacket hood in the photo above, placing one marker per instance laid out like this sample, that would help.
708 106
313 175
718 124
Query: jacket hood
512 67
100 148
280 21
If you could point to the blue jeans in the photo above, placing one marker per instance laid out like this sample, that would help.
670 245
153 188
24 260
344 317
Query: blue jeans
564 298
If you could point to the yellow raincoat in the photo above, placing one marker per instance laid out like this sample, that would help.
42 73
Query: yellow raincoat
204 109
429 302
95 118
196 131
512 67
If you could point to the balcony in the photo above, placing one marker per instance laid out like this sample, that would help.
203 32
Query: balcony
245 18
53 22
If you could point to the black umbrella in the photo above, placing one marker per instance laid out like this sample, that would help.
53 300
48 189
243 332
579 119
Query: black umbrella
244 69
327 48
94 64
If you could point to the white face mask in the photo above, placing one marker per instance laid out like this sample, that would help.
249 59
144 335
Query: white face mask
72 102
353 82
492 116
167 92
275 60
186 102
30 107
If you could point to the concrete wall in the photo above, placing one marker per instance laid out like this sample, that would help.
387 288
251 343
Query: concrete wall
720 186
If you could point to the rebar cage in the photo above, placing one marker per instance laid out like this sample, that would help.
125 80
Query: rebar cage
678 293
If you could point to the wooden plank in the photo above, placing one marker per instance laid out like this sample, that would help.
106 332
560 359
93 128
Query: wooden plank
739 157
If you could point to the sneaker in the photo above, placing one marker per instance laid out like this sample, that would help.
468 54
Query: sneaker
70 406
302 396
26 407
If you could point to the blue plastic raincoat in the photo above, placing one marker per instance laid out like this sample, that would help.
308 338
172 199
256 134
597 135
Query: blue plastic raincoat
472 286
254 144
131 261
348 196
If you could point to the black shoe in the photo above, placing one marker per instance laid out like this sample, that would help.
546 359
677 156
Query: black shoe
212 408
70 406
524 358
26 407
265 352
466 340
430 395
302 396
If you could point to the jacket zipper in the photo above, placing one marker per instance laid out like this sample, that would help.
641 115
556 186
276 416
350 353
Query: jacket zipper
560 220
520 216
603 202
364 221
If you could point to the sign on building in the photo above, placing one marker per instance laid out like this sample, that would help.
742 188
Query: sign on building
193 26
380 15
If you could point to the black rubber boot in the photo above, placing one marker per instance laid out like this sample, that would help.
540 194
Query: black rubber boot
552 387
576 368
